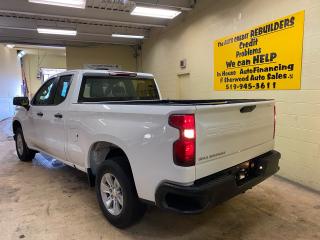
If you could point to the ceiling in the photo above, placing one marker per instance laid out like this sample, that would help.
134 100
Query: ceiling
19 20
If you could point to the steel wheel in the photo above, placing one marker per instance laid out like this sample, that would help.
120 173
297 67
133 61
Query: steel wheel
20 144
24 153
116 193
111 193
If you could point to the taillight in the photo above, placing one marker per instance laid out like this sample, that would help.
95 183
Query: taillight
274 121
184 148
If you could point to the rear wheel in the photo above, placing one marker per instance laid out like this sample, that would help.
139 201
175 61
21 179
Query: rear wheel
24 153
117 195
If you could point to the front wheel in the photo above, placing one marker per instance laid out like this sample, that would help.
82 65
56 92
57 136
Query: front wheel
24 153
117 195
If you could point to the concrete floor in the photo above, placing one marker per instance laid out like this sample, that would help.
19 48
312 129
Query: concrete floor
46 200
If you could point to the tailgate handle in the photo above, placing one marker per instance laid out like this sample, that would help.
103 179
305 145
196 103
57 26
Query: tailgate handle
247 109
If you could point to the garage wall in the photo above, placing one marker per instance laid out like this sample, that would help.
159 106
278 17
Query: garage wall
10 80
192 36
32 62
108 54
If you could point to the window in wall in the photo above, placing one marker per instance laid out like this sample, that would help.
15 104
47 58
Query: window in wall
46 73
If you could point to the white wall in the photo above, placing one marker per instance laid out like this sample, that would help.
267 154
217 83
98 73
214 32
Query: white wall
10 80
192 36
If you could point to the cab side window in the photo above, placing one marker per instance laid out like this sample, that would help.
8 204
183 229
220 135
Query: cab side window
62 89
45 95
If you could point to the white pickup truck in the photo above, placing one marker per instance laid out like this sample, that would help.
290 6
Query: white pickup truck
180 155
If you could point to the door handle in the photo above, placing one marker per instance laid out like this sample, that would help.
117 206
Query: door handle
40 114
58 115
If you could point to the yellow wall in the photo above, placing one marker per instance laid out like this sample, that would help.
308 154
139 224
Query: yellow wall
77 57
191 37
33 62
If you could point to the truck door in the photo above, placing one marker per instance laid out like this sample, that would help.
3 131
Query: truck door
50 122
41 100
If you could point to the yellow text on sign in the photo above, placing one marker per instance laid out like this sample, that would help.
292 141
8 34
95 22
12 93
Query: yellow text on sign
266 57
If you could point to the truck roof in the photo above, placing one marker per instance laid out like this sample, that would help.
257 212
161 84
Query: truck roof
111 72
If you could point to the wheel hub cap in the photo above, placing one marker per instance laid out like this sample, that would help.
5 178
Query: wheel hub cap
111 193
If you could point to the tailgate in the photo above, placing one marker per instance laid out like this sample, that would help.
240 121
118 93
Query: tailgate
232 133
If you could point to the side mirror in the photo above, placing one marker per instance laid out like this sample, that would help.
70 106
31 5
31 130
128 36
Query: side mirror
21 101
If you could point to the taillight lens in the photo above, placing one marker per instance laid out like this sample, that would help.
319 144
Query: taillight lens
184 148
274 121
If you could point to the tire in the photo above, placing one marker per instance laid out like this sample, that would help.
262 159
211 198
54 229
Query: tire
24 153
132 209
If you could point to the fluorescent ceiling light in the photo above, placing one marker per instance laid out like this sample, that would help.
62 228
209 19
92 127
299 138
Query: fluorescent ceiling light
27 46
62 3
57 31
155 12
49 47
128 36
10 46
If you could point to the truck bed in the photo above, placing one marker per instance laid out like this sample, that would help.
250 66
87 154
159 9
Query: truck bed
229 131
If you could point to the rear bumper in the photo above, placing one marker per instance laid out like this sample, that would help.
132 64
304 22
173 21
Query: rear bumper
219 187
